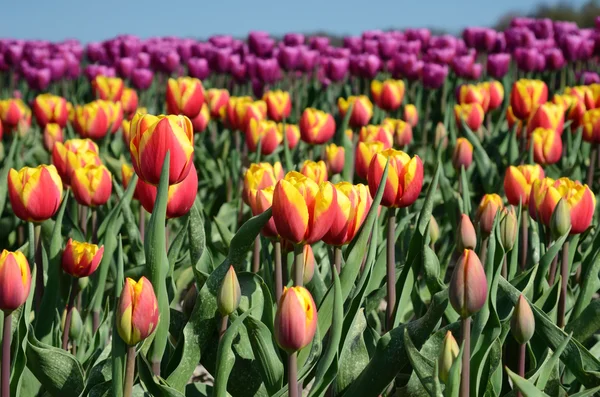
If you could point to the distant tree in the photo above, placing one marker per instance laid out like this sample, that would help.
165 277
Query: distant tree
584 16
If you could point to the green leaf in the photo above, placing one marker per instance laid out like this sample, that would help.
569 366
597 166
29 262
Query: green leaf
224 232
590 268
546 261
546 369
245 236
526 387
586 393
156 386
453 384
422 366
58 371
354 356
466 193
587 324
263 347
8 164
119 349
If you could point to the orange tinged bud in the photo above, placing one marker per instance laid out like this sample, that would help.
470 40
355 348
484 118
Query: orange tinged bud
137 313
495 91
91 185
448 354
264 132
508 228
526 95
296 319
152 137
185 95
411 116
49 108
15 280
108 88
489 206
364 154
35 193
181 195
377 133
468 288
81 259
279 104
126 129
388 94
316 126
591 126
260 176
292 134
126 175
302 209
471 114
518 181
549 116
401 129
129 102
353 204
467 238
463 154
441 136
547 146
200 122
362 110
217 100
404 180
335 158
52 133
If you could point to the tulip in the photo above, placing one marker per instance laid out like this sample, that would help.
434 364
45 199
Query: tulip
434 230
362 110
526 95
279 105
404 180
471 114
377 133
522 322
260 176
473 94
591 126
560 221
315 170
364 154
181 195
316 126
49 108
292 132
264 132
489 206
91 185
547 146
549 116
448 354
235 111
114 111
296 319
441 137
129 102
137 313
433 75
468 287
584 94
467 238
230 293
217 100
126 175
52 133
92 120
411 116
108 88
309 264
402 131
463 154
353 204
35 193
15 280
14 114
388 95
60 157
335 158
302 209
81 259
185 95
497 65
260 201
200 122
513 121
495 91
518 181
152 137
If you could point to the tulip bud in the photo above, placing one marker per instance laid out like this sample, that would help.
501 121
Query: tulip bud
15 280
411 116
137 313
463 154
441 136
91 185
296 319
560 221
35 193
486 213
76 324
468 287
522 322
83 282
190 300
448 354
185 95
508 228
309 264
81 259
315 170
335 157
467 238
434 230
230 293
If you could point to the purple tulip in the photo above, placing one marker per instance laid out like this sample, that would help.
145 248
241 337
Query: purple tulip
336 69
73 69
522 22
370 65
142 78
354 44
184 49
462 66
371 46
372 34
387 48
14 54
293 39
587 77
407 65
198 68
319 43
220 41
586 49
433 75
518 37
443 56
95 52
268 70
469 35
130 47
410 47
200 50
219 59
423 35
237 69
39 79
498 64
143 60
125 66
288 57
570 44
308 60
554 58
527 59
58 67
543 28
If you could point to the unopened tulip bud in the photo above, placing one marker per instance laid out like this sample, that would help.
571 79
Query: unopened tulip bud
83 282
448 354
441 136
522 323
463 154
508 228
190 300
296 319
468 287
309 264
230 293
76 327
434 230
467 238
560 222
486 212
137 313
15 280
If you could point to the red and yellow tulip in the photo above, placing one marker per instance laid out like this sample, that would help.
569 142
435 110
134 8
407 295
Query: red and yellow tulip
129 102
15 280
263 132
489 206
377 133
411 115
200 122
401 129
295 319
463 154
52 133
185 95
495 91
526 95
471 114
547 146
81 259
35 193
260 176
584 94
315 170
316 126
335 157
15 115
549 116
364 154
518 181
49 108
91 185
108 88
279 104
474 94
137 313
93 120
260 201
591 126
388 94
292 132
75 153
353 204
362 109
217 100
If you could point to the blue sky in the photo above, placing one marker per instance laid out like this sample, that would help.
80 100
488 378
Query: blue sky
92 20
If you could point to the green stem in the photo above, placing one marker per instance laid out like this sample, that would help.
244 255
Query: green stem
522 351
524 237
256 255
564 274
298 265
72 295
129 372
6 333
223 328
278 270
293 375
391 268
337 252
466 358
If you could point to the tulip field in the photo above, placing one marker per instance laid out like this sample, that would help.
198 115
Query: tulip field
398 214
